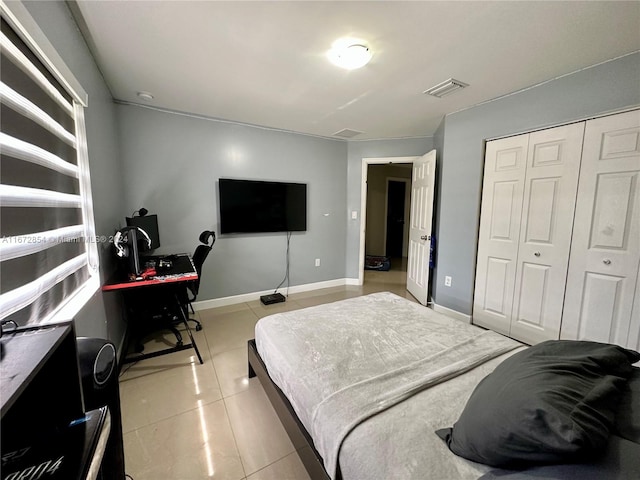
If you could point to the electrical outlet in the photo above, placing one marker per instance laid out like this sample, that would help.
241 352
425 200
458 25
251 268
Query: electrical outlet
354 215
317 262
447 281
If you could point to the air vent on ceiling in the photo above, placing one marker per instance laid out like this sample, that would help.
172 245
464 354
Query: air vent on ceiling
347 133
446 88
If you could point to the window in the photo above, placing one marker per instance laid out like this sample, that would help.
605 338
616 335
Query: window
48 254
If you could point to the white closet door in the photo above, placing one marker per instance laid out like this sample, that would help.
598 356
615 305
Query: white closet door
505 165
553 166
603 270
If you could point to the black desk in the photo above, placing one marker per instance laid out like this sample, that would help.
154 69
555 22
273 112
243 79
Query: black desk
170 284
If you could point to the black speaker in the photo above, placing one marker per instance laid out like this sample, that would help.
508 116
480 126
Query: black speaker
99 373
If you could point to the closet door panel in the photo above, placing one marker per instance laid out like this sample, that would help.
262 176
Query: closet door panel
599 294
534 284
553 166
605 257
505 164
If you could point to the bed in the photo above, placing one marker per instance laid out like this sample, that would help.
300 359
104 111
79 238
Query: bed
362 385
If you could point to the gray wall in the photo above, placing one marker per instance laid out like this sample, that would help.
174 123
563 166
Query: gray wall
357 150
603 88
102 315
172 163
171 166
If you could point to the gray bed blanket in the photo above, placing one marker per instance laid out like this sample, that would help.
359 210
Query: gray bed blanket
343 363
335 416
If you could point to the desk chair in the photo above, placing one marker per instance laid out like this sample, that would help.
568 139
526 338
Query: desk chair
207 239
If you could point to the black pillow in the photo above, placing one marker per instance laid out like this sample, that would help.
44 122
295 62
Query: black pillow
554 402
627 422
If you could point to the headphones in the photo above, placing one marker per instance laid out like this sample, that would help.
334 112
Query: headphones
121 239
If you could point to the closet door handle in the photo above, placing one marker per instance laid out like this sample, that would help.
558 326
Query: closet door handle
537 254
606 261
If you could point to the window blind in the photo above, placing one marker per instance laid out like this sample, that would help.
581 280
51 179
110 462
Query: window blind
47 237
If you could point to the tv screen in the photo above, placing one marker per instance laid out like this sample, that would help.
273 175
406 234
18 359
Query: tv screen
249 206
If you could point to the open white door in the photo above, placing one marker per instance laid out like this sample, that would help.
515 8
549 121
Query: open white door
423 182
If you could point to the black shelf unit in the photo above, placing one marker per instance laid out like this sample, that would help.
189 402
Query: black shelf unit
42 409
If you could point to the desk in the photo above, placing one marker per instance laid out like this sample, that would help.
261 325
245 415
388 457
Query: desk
171 281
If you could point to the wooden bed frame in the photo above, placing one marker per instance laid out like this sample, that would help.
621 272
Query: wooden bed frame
299 436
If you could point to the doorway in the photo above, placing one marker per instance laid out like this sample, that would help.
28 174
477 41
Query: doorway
385 207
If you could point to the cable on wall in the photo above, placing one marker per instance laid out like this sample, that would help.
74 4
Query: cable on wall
286 275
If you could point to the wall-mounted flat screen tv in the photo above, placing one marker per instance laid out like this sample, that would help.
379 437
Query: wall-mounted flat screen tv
250 206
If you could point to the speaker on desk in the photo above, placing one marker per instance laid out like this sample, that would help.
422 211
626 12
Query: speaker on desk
99 374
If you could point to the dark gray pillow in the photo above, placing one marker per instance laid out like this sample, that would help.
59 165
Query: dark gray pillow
620 461
554 402
627 423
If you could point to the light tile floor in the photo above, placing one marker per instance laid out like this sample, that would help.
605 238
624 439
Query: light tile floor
184 421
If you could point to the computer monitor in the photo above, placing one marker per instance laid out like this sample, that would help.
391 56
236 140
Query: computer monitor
148 223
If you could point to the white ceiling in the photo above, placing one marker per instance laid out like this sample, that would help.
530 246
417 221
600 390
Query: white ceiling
264 62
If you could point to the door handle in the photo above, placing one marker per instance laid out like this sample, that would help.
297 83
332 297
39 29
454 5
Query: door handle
606 261
425 237
537 254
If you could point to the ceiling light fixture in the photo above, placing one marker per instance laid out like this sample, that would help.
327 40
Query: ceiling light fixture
446 88
145 96
349 53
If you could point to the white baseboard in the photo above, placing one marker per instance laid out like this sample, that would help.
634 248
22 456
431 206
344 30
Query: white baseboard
249 297
452 313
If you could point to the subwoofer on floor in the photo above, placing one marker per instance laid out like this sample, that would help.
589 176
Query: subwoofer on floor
99 373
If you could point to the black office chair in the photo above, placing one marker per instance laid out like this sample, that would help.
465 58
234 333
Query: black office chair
207 239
